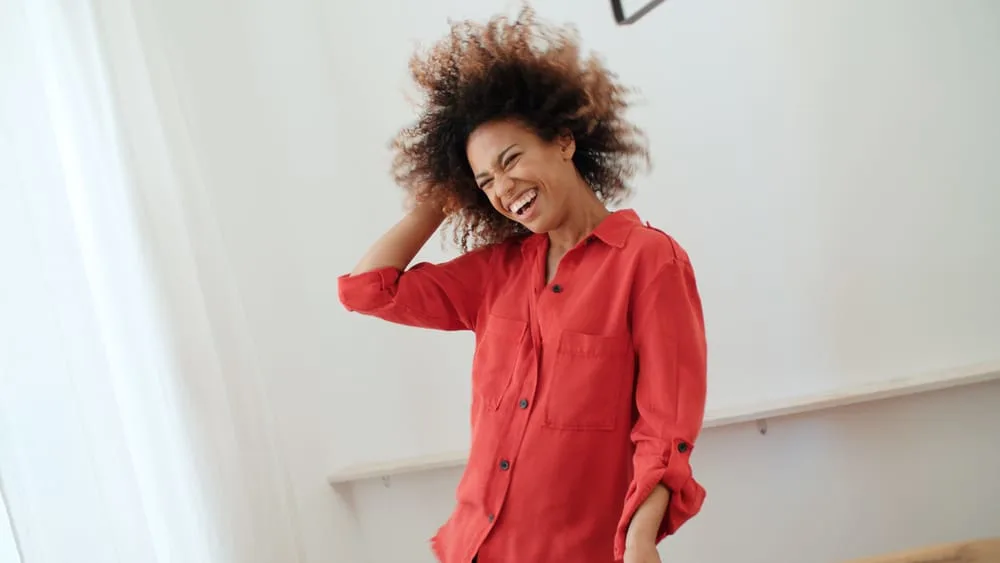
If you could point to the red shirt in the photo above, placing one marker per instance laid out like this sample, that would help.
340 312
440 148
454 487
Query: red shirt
587 391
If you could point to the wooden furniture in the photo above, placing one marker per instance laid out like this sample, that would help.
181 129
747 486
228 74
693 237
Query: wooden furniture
976 551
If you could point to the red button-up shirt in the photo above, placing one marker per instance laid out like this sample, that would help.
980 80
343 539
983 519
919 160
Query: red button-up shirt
587 391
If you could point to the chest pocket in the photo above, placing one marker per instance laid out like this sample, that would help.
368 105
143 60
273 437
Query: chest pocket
591 373
496 359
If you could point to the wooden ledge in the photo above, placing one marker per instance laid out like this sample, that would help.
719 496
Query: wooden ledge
737 414
977 551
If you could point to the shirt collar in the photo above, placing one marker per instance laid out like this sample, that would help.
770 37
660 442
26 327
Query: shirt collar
612 230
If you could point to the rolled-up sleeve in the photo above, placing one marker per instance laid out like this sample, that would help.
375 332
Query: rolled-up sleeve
444 296
669 338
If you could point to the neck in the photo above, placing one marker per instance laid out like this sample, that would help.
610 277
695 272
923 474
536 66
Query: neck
583 216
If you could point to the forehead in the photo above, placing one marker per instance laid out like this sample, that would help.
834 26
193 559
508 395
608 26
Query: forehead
488 140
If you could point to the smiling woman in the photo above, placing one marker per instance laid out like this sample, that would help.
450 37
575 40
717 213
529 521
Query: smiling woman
520 73
589 373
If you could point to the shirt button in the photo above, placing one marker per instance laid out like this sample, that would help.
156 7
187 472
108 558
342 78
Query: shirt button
504 465
491 518
557 288
682 447
523 404
591 239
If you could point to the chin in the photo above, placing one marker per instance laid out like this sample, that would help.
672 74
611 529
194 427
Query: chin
538 225
538 221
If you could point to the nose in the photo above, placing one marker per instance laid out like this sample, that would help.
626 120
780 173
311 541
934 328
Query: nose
505 186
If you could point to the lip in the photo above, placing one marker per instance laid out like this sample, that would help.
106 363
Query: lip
529 215
507 204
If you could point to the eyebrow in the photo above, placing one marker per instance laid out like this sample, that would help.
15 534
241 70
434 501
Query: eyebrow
499 160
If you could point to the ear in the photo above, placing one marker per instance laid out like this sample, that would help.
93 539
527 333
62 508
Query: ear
566 144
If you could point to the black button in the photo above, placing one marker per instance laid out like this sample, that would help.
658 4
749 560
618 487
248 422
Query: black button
523 404
557 288
591 239
491 518
682 447
504 465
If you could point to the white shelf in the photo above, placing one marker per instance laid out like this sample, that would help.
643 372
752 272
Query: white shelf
899 387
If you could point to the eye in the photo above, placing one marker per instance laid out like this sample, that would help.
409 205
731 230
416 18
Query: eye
486 183
510 160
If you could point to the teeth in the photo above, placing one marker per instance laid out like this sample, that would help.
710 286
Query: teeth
520 202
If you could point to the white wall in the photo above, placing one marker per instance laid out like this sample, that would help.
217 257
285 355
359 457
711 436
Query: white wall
829 166
819 488
291 106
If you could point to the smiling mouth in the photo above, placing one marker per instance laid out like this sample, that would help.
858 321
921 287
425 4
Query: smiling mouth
522 204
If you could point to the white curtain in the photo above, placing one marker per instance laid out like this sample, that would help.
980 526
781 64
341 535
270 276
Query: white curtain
133 422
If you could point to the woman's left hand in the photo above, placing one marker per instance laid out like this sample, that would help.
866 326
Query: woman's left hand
643 552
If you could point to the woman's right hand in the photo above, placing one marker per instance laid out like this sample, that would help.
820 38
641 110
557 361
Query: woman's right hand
428 210
401 243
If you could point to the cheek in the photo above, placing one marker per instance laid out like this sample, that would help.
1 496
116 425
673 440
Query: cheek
491 196
536 170
495 201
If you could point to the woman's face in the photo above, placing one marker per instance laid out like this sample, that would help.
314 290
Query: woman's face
526 178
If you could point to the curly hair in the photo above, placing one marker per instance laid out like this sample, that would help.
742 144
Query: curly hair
520 70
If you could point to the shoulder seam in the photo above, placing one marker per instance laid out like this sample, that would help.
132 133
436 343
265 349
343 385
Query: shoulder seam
676 254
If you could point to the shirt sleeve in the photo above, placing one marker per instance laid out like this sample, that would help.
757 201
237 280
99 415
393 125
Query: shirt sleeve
443 296
669 339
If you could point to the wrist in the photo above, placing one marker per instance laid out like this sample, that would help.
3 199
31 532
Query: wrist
428 213
430 208
646 522
640 536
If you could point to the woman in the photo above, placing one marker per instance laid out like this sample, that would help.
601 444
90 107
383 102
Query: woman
589 373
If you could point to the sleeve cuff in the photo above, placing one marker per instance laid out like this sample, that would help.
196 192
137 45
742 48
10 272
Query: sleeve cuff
686 495
368 291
